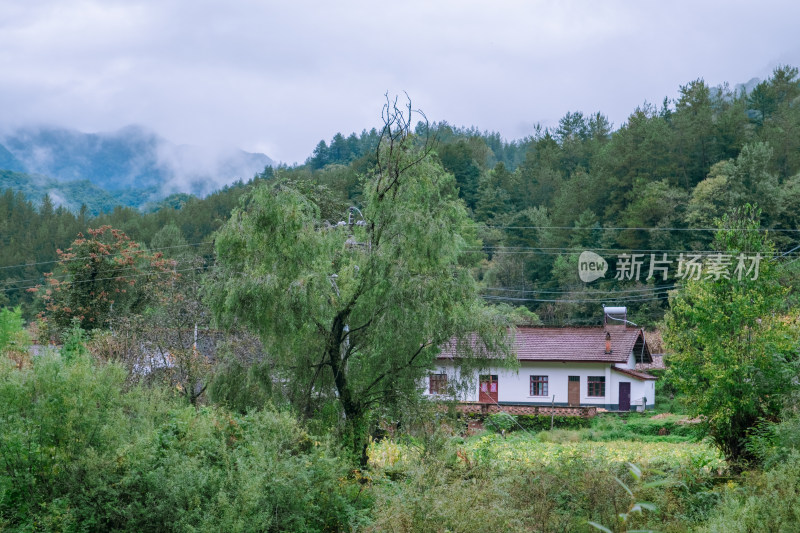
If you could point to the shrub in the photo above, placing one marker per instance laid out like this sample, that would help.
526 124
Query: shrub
81 454
241 388
559 436
767 502
500 422
14 340
640 428
535 423
463 491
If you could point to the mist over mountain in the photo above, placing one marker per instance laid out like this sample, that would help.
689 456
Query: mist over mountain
75 194
9 162
132 158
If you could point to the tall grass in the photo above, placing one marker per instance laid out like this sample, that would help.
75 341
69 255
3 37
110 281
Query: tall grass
518 483
607 427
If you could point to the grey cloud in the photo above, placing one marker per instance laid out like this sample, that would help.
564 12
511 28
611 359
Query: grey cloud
245 73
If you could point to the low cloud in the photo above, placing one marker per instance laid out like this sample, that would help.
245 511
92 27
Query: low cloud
202 170
130 158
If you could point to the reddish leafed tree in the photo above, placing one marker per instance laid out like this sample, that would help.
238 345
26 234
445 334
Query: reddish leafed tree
103 275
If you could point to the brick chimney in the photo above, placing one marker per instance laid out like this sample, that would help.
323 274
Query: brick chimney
608 342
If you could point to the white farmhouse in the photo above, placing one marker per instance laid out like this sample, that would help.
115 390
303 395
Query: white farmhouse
567 366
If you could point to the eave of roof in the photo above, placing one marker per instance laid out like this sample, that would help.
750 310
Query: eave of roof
568 344
634 373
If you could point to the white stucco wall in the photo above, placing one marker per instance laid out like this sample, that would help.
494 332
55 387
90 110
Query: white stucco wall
514 385
631 361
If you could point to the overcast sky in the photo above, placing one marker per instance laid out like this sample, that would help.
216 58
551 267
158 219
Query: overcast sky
277 77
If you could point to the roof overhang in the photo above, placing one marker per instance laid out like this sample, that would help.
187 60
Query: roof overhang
641 376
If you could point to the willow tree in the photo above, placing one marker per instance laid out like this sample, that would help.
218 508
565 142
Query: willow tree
356 310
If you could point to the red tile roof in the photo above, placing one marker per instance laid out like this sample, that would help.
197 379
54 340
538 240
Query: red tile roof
569 344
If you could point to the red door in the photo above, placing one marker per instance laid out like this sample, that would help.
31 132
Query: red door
625 396
488 389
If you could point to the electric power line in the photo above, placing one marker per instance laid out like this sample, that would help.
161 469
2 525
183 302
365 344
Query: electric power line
636 228
121 278
495 250
600 300
21 265
65 276
597 292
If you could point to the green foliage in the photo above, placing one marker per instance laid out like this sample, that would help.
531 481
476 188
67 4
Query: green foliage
768 501
170 241
75 340
542 422
357 312
774 442
488 484
600 428
635 506
734 355
29 238
241 388
500 422
72 194
78 453
53 415
519 316
14 339
459 159
765 500
459 497
11 328
105 271
642 428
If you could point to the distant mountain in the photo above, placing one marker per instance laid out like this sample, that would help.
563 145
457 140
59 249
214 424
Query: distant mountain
73 194
132 158
9 162
747 87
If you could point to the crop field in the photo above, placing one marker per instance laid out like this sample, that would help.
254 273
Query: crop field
498 452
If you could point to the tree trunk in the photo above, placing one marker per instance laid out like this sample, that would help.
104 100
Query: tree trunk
353 410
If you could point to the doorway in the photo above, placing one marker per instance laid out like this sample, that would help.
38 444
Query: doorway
488 389
624 396
574 390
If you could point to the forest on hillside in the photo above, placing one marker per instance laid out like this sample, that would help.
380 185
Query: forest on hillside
255 360
655 185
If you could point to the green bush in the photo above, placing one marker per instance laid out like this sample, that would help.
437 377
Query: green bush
241 388
640 428
648 426
14 339
774 443
536 423
11 328
769 501
460 492
79 454
500 422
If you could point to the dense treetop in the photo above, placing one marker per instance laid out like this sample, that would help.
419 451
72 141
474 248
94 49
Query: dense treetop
671 169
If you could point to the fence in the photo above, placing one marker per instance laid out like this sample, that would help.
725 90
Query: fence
489 408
